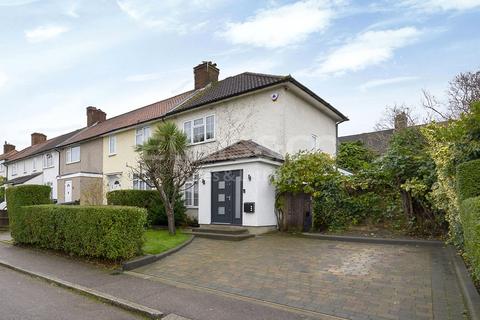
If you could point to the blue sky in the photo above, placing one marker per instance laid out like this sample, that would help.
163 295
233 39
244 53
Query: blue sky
58 57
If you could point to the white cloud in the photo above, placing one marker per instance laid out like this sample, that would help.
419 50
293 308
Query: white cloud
3 79
442 5
14 3
282 26
383 82
367 49
173 15
143 77
44 33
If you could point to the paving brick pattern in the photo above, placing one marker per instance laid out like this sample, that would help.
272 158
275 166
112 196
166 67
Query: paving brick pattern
344 279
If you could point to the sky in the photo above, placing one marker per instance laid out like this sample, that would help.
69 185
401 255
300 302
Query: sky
58 57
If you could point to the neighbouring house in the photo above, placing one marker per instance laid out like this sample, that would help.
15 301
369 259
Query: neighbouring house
242 126
378 141
37 164
80 177
8 151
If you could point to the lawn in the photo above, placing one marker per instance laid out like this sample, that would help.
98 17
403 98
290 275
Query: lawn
157 241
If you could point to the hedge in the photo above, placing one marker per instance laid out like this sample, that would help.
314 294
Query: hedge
470 217
150 200
108 232
2 194
468 179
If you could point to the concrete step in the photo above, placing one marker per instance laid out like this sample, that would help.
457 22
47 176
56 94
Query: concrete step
223 236
220 229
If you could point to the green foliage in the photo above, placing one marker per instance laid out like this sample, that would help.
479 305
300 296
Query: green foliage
470 217
468 179
450 144
354 156
158 241
107 232
2 194
150 200
307 172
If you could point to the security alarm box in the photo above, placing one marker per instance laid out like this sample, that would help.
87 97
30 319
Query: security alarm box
249 207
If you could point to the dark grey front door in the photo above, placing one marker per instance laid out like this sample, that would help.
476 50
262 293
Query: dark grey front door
227 192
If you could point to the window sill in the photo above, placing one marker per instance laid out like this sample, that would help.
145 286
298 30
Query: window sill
48 167
202 142
72 162
112 154
191 207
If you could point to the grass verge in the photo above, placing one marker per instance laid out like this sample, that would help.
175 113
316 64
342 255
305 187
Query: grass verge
158 241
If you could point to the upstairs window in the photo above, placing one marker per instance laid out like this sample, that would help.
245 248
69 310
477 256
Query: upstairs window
48 160
314 142
14 169
200 130
73 154
2 168
142 135
112 145
24 164
34 164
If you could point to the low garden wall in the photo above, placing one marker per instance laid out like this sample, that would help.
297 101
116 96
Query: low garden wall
106 232
468 188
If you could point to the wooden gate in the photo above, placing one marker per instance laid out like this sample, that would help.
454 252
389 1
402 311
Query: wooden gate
298 212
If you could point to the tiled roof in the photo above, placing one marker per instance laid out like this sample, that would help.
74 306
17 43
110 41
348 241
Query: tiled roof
22 180
377 141
42 147
242 149
230 87
151 112
8 155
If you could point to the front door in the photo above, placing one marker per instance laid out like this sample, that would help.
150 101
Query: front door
227 190
68 191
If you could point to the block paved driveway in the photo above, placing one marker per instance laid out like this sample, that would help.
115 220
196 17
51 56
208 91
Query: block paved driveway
344 279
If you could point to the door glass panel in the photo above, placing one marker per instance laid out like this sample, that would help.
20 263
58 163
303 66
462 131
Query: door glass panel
221 211
237 197
221 197
221 184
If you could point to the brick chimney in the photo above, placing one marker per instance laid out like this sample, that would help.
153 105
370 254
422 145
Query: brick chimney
401 121
205 73
95 115
38 138
7 147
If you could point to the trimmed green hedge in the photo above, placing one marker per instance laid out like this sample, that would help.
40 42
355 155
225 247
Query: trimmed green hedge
468 179
150 200
470 217
2 194
108 232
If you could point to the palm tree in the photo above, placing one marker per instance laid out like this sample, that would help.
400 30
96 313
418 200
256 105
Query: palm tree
165 164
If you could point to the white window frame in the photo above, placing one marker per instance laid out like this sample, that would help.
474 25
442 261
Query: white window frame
191 189
24 164
112 139
45 160
139 184
68 155
2 167
192 127
142 132
314 141
14 169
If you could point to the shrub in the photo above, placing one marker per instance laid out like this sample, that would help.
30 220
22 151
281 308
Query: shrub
468 179
150 200
108 232
470 217
2 194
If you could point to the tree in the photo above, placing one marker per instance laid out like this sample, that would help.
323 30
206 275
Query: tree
354 156
391 114
463 90
166 164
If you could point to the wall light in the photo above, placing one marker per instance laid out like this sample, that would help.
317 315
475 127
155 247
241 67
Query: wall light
203 181
249 177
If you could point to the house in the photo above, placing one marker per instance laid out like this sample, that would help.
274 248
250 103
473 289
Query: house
36 164
8 151
242 125
80 175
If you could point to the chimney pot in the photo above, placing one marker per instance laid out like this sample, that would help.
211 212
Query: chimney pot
7 147
38 138
205 73
95 115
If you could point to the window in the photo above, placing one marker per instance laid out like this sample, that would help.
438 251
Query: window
112 145
48 160
2 168
139 184
73 154
200 130
34 164
314 142
14 169
24 165
191 193
142 135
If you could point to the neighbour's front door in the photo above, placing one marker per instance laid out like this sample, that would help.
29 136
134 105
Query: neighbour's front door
68 191
227 191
